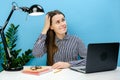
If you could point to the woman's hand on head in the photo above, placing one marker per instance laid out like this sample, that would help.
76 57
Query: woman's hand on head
60 65
46 24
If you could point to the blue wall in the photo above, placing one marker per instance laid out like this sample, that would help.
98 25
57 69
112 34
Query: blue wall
91 20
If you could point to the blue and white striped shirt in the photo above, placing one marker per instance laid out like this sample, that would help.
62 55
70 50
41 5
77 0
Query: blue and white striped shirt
69 48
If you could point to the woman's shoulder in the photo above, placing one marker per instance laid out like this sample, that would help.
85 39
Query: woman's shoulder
77 38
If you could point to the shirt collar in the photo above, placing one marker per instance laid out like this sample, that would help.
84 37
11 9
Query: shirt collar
65 38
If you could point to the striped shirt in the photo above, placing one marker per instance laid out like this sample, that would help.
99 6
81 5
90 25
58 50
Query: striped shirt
69 48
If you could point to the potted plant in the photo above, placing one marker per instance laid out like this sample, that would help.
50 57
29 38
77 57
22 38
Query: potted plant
17 60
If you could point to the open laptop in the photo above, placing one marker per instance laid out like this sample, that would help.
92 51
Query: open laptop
100 57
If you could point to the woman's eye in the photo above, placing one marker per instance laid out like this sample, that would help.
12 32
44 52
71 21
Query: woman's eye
63 19
57 22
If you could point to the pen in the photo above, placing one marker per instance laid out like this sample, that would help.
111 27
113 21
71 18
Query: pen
57 70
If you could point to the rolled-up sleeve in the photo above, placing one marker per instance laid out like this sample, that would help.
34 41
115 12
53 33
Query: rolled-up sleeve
39 47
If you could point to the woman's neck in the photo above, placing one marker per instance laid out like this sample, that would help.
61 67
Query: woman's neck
60 36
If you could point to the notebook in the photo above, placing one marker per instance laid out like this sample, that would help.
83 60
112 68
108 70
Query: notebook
100 57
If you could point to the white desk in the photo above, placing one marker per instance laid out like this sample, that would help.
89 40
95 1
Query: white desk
65 74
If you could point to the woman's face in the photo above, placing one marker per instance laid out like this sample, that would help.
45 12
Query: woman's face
59 24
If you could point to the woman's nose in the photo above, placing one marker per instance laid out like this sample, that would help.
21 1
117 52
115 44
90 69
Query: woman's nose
63 23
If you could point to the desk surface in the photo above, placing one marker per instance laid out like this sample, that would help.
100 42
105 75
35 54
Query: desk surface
65 74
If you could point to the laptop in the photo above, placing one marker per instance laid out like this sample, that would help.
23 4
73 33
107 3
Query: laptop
100 57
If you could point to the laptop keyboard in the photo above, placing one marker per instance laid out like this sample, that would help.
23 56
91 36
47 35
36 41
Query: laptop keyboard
83 69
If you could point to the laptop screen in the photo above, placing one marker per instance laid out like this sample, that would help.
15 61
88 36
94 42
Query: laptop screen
102 57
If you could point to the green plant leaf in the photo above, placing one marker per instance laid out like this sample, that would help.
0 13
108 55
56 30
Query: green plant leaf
16 60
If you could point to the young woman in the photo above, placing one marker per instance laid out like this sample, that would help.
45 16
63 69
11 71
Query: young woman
62 49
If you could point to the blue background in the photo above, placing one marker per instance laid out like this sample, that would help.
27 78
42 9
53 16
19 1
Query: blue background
91 20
